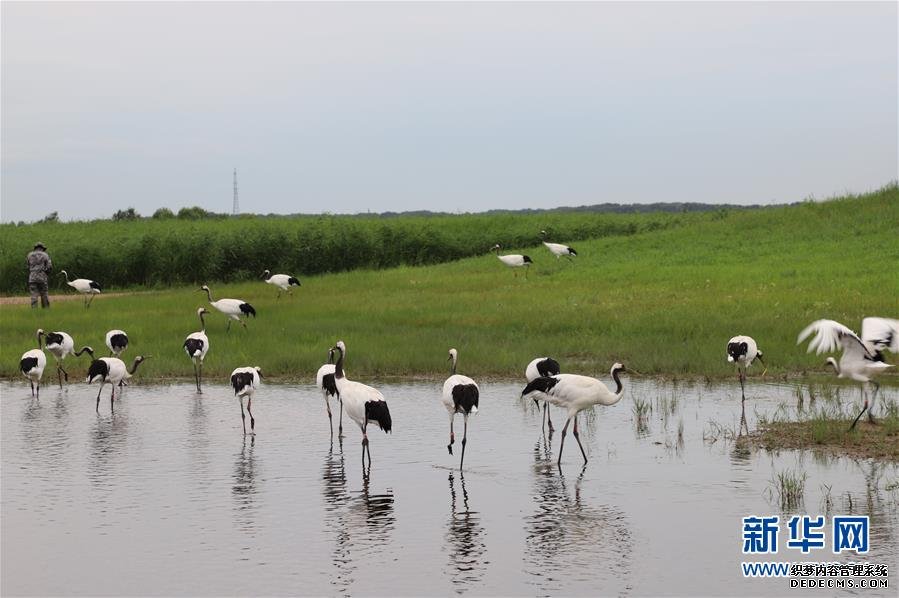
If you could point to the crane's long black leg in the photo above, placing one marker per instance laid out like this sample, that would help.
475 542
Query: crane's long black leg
864 408
464 440
112 399
562 445
243 416
452 441
549 419
330 419
252 420
200 375
228 329
743 383
59 375
873 401
32 386
578 438
38 392
98 397
340 424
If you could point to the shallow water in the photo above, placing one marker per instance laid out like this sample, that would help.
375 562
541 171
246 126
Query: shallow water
167 496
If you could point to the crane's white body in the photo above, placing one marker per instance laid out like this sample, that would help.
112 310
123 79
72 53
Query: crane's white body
233 308
85 286
61 345
858 361
116 342
37 361
111 370
282 281
880 334
196 345
245 381
460 395
558 249
513 260
361 402
574 393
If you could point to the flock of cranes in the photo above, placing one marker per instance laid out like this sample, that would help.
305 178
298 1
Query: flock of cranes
861 360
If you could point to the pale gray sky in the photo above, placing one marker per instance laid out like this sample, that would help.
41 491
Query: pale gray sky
346 107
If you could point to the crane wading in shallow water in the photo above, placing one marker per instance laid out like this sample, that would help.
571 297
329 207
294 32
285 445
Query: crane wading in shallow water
543 366
86 287
32 365
363 403
460 395
575 393
862 358
111 370
324 380
233 308
245 381
196 345
61 345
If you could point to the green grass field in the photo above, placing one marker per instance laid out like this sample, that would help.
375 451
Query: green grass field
662 302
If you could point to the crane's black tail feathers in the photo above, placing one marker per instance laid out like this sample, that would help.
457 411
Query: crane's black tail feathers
737 350
329 385
28 364
548 367
541 384
97 370
248 309
465 398
241 380
193 346
377 411
292 281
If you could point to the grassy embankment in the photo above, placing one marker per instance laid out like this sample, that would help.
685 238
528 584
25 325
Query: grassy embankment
663 302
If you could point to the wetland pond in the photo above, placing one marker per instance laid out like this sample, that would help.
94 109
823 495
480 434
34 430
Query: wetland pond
167 496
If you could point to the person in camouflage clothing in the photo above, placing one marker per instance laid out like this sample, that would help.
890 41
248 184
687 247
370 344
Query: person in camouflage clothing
39 265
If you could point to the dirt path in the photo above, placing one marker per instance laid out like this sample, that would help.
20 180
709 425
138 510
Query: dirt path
54 298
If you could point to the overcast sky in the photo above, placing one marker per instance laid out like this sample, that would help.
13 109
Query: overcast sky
457 107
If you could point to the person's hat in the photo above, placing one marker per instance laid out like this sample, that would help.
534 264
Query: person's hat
39 244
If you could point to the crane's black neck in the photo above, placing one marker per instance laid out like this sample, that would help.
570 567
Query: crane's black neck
208 294
338 367
84 350
618 386
133 369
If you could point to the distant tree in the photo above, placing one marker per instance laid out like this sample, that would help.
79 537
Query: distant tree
129 214
51 217
163 214
192 213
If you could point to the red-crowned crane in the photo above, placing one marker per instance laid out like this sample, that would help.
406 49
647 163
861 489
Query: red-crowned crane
245 381
575 393
86 287
111 370
282 281
117 342
514 260
233 308
862 359
61 345
196 345
558 249
363 403
324 381
32 365
543 366
742 350
460 395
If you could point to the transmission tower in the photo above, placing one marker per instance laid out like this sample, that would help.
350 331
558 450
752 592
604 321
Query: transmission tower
236 210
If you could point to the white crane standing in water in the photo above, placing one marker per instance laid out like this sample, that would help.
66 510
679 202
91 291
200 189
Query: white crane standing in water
862 358
543 366
32 365
111 370
61 345
196 345
460 395
245 381
363 403
575 393
324 381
